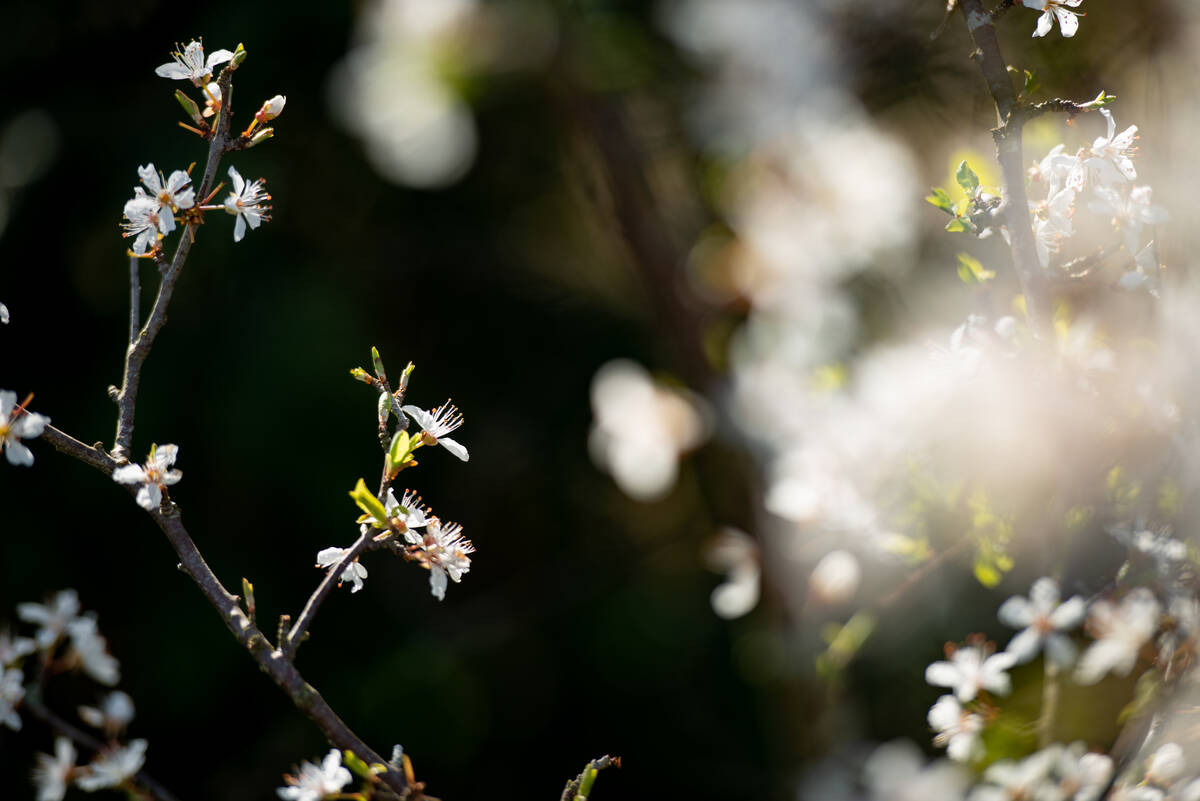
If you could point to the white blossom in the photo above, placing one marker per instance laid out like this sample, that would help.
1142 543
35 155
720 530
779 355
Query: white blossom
1165 765
314 783
1117 149
957 729
246 201
897 772
640 429
835 577
112 715
271 109
1120 633
91 649
52 774
142 222
155 476
1082 775
972 668
735 554
1042 619
171 194
16 425
436 423
12 690
189 64
52 618
112 767
1068 21
1130 212
444 551
355 572
3 314
1060 170
14 648
1053 223
1018 781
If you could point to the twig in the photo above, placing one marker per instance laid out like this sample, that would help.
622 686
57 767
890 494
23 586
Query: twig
332 578
273 662
139 346
82 738
581 786
1050 686
1008 153
135 299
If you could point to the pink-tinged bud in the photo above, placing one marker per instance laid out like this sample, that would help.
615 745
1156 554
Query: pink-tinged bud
836 577
271 109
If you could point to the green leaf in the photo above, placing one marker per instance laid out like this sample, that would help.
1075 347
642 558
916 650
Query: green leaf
958 225
189 106
941 200
367 501
971 271
356 765
399 452
377 363
987 575
1032 84
966 178
359 374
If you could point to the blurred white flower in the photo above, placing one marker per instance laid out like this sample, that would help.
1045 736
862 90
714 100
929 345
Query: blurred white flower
314 782
835 578
171 194
354 572
246 201
52 618
14 648
155 476
1165 765
91 649
640 428
898 772
1042 619
1131 213
112 767
3 314
1120 633
437 423
12 690
735 554
957 729
113 714
1068 21
15 425
189 63
52 774
1027 779
1118 149
1082 775
972 668
1053 223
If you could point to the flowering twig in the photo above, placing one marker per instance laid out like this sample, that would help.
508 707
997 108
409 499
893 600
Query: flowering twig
85 740
139 347
272 661
579 788
1015 206
295 636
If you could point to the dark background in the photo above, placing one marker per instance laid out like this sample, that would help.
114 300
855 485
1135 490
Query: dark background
584 626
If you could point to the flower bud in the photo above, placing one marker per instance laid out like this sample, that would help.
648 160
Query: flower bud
189 106
271 109
239 56
263 135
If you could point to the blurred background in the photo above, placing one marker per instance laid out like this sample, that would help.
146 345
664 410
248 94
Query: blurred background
512 194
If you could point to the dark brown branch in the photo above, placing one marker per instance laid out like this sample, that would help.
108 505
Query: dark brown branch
332 579
1002 9
1015 208
271 661
135 299
85 740
139 348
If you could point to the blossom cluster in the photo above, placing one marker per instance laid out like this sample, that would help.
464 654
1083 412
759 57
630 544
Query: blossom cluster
68 639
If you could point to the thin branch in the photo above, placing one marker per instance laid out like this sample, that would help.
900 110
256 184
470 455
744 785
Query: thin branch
332 578
1050 686
139 347
85 740
1007 136
273 662
1002 9
135 299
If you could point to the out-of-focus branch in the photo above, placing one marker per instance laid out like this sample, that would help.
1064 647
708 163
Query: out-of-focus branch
82 738
1007 136
139 346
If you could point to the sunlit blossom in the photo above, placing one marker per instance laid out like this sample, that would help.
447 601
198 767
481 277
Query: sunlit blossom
247 202
114 712
957 729
1042 619
1120 631
444 551
113 766
973 668
52 618
315 782
171 194
437 423
17 424
354 572
189 63
1068 20
142 222
155 476
12 691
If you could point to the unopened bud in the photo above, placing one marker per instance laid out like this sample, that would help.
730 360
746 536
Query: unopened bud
835 578
263 135
189 106
359 374
271 109
239 56
377 363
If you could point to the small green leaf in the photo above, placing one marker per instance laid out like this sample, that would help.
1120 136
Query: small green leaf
248 594
966 178
189 106
384 406
971 271
367 501
987 575
359 374
377 363
958 225
398 453
941 200
1032 84
356 765
239 56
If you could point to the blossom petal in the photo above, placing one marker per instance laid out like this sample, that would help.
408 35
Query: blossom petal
1045 23
1068 22
1016 612
943 674
17 454
129 474
149 497
1024 646
1070 614
455 448
174 70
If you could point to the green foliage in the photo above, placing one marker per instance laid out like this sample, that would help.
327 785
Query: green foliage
939 199
966 178
845 641
992 533
971 270
366 501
